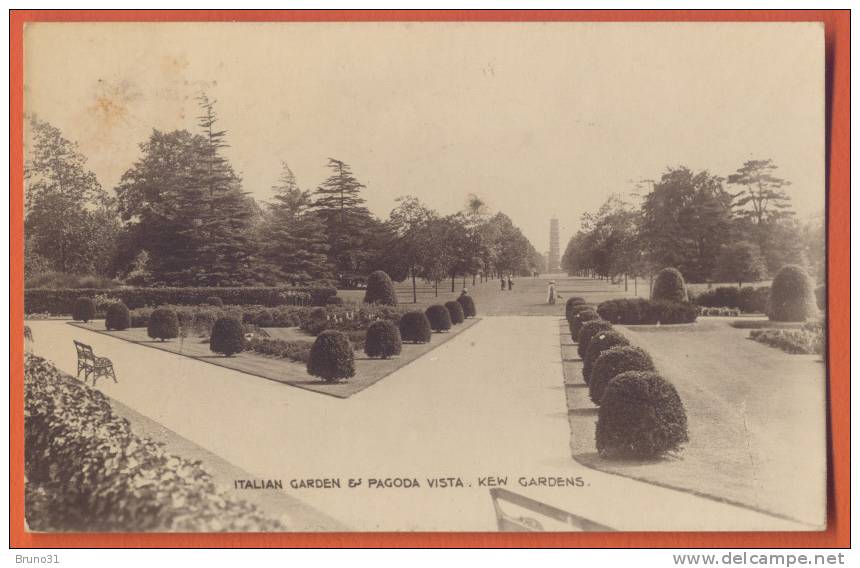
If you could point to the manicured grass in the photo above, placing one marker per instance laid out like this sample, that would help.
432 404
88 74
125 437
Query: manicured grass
756 419
368 371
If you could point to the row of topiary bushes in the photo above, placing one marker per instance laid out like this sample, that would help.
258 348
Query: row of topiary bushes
638 311
99 476
640 414
59 301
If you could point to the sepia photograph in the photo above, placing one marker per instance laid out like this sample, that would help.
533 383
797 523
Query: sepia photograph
424 276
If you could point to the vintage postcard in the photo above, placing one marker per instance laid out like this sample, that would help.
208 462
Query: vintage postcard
426 276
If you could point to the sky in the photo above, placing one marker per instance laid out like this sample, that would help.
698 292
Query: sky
537 119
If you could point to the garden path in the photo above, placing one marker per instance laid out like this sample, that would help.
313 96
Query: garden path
489 402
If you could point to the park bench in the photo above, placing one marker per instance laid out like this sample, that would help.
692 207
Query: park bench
524 514
92 365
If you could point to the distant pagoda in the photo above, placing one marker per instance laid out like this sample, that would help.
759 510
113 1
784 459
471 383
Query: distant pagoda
554 257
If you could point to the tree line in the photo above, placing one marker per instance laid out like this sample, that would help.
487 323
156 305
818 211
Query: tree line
179 216
741 228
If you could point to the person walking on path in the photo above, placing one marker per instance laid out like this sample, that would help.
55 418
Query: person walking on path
510 281
551 293
503 283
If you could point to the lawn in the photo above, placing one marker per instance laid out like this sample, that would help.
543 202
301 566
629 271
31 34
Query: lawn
756 418
368 371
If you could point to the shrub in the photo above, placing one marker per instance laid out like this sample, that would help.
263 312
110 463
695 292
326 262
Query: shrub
641 416
791 295
587 330
415 327
468 305
380 289
456 311
163 324
579 319
669 286
754 300
796 341
298 351
570 303
821 297
84 309
637 311
331 357
600 343
439 318
747 299
334 301
613 362
382 340
215 301
228 337
117 317
720 312
99 476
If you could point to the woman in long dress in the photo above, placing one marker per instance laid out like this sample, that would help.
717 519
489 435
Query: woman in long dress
551 293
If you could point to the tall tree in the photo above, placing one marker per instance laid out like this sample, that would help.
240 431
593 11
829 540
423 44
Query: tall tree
70 221
763 198
740 262
409 221
293 237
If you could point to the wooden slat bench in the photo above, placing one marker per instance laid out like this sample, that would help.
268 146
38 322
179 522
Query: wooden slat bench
92 365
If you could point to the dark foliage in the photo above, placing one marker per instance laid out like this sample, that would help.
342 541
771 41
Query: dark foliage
669 286
589 329
228 337
570 303
613 362
439 317
600 343
579 319
298 351
747 299
215 301
380 289
117 317
84 309
334 301
641 416
791 295
456 311
332 358
382 340
638 311
163 324
821 297
468 305
415 327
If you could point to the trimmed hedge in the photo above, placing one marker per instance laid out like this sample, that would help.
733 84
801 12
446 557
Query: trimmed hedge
589 329
415 327
570 303
600 343
215 301
669 286
795 341
613 362
456 311
640 416
380 289
439 318
792 297
228 337
316 320
163 324
747 299
84 309
579 319
332 358
98 476
382 340
638 311
298 351
468 305
59 301
117 317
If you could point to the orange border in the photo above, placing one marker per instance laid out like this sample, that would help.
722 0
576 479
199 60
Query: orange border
837 24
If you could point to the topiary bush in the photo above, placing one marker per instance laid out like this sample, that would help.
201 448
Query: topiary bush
228 337
439 318
641 416
332 358
163 324
587 330
580 319
117 317
456 311
468 305
791 295
669 286
415 327
570 303
613 362
599 343
380 289
215 301
84 309
382 340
